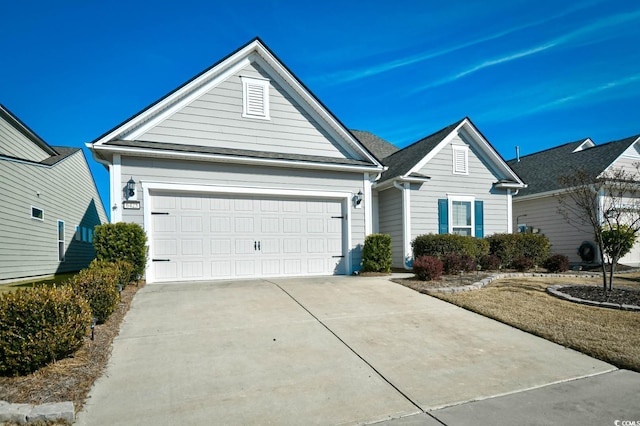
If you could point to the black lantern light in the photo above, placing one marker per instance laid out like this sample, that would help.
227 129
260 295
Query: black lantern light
131 187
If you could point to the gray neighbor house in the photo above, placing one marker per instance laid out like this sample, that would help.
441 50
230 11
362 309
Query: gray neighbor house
242 172
50 204
535 207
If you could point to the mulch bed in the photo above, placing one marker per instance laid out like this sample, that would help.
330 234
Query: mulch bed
70 379
619 296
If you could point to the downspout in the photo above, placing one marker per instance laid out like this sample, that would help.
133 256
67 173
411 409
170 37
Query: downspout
112 197
407 256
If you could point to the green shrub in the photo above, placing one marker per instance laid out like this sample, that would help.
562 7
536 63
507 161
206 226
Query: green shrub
122 241
123 269
489 262
522 264
40 325
509 247
99 286
454 263
376 253
557 263
427 268
440 245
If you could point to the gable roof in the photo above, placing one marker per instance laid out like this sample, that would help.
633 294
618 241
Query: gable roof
541 170
53 154
18 125
405 163
253 51
375 144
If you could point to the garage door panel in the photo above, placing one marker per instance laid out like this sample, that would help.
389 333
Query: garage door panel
228 236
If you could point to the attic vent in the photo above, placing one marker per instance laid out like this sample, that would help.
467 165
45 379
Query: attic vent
255 98
460 160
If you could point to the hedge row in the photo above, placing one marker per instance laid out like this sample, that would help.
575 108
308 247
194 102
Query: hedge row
506 247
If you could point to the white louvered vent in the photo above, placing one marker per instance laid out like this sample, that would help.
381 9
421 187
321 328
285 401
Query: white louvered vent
460 160
255 98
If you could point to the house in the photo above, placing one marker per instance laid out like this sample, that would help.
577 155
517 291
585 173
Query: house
241 172
535 208
452 181
50 204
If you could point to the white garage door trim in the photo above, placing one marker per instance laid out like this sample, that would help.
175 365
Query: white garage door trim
148 187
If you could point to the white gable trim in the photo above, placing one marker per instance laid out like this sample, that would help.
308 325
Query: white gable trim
253 52
623 155
467 128
588 143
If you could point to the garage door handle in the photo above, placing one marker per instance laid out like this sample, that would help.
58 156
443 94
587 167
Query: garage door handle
161 260
337 256
256 245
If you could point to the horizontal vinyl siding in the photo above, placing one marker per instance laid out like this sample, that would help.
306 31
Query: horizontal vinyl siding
230 175
390 222
478 183
215 119
28 247
15 144
542 214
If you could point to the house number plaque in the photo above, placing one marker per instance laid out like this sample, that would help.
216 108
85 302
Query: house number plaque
131 205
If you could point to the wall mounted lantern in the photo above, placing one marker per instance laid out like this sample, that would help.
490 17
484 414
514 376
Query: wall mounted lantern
131 187
357 200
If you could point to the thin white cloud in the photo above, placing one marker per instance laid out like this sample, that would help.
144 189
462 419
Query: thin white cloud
356 74
615 21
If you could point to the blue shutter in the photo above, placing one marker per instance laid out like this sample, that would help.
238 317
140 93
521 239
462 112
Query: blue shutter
479 219
443 216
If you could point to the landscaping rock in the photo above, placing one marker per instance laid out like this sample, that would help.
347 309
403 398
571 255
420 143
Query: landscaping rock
52 412
14 412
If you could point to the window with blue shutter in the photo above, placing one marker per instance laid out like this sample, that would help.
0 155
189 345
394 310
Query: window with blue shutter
479 218
443 216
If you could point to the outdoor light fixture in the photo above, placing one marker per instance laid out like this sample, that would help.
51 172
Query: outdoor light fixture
131 187
357 199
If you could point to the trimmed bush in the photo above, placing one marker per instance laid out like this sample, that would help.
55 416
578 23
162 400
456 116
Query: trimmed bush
427 268
123 269
122 241
453 263
376 253
522 264
509 247
557 263
99 286
489 262
440 245
40 325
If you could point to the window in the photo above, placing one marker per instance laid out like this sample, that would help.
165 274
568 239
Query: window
462 215
78 235
37 213
60 241
460 160
255 98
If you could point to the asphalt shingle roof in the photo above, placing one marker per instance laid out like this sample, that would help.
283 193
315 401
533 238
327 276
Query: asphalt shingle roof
405 159
237 152
541 170
379 147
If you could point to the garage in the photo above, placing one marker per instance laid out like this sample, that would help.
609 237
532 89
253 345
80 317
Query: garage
223 236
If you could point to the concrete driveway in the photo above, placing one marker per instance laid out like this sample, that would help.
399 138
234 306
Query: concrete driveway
330 350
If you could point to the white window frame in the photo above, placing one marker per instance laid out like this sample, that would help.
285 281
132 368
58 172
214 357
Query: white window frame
61 241
460 150
465 199
36 217
251 83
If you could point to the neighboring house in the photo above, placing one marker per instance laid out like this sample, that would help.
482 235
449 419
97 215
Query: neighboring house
536 207
50 204
241 172
452 181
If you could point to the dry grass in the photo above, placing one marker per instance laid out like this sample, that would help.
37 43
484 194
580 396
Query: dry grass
607 334
70 379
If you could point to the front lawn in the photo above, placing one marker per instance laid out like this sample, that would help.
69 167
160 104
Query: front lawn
607 334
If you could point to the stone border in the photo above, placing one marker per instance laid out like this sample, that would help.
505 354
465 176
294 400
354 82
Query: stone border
555 290
490 279
27 413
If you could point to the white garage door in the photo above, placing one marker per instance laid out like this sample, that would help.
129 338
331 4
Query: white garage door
201 237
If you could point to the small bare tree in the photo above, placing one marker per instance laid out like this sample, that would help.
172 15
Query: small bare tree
610 204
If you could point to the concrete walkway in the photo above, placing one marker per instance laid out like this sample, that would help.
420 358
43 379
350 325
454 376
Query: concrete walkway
331 350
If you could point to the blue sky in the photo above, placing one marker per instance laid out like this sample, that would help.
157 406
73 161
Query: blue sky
530 73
